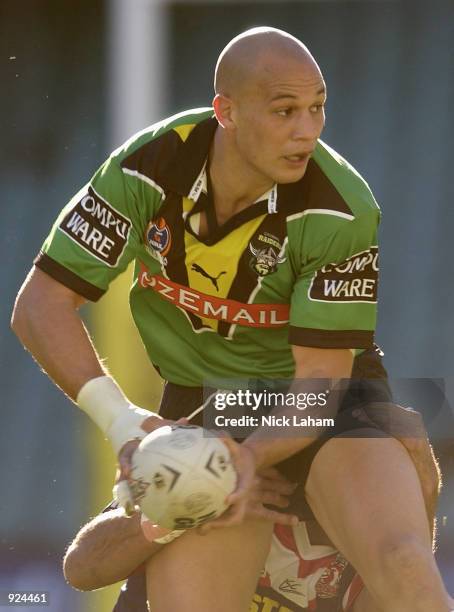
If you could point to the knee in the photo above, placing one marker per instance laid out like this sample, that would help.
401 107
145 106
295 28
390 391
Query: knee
74 569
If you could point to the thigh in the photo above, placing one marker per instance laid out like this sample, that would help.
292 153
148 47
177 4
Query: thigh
364 603
218 571
366 495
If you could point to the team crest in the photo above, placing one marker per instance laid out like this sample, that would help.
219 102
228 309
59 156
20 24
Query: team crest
158 239
328 583
266 259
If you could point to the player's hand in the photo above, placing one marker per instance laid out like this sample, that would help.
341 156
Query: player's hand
252 491
273 489
123 491
407 426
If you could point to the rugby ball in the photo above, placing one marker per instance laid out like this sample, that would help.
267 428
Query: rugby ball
181 476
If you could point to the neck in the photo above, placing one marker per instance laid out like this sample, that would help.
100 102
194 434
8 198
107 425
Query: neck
235 184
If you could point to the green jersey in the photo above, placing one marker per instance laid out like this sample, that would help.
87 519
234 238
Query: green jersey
298 266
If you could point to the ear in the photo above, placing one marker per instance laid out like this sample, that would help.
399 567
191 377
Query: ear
223 109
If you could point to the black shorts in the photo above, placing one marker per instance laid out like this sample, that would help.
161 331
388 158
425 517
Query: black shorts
368 386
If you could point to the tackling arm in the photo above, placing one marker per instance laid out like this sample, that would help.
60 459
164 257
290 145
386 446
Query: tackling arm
107 549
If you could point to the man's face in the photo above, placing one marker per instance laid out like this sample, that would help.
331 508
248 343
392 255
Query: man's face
279 116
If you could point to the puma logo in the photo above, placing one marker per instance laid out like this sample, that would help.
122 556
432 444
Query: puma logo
213 279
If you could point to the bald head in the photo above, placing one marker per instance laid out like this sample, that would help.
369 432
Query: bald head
255 55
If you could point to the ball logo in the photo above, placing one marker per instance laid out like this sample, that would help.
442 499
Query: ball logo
159 480
158 237
139 487
197 502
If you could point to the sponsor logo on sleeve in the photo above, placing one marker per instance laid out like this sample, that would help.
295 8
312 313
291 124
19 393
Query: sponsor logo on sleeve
97 227
354 280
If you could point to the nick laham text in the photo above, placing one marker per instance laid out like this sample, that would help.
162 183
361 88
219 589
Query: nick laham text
272 420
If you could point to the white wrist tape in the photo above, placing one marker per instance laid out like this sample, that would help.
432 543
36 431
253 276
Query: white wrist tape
118 419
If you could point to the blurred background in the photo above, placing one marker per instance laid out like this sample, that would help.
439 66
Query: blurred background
78 77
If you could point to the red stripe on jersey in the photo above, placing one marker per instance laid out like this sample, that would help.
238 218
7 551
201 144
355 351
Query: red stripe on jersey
212 307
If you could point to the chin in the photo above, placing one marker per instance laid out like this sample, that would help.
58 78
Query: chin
292 176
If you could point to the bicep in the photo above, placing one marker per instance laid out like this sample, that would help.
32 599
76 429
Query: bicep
39 287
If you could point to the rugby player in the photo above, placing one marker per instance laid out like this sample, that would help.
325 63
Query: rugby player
255 247
303 571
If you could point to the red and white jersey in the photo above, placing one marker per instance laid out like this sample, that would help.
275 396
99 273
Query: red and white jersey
305 574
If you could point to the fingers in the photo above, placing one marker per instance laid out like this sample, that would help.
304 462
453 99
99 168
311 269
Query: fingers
232 516
271 473
125 458
273 516
273 498
282 487
122 493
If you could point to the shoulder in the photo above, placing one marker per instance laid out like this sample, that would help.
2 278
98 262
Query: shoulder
175 128
330 197
159 154
346 180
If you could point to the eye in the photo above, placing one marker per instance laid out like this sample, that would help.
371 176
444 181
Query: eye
316 108
284 112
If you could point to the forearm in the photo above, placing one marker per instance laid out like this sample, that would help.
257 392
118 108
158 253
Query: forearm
274 443
320 372
53 332
106 550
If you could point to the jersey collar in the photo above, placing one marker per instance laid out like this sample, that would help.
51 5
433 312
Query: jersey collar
200 186
187 174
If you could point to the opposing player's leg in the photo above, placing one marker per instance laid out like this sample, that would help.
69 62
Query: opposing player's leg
365 493
218 571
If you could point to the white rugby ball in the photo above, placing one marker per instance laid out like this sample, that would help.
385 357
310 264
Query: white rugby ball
181 476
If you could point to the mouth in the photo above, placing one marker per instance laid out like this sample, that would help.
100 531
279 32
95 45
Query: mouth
298 159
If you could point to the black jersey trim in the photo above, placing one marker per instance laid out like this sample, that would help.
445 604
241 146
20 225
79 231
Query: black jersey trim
67 278
152 159
191 155
170 162
321 338
247 214
175 164
314 190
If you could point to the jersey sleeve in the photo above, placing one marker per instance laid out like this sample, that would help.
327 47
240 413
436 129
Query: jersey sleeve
334 301
96 235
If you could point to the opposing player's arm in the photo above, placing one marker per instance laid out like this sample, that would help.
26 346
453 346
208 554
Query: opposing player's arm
107 549
111 546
